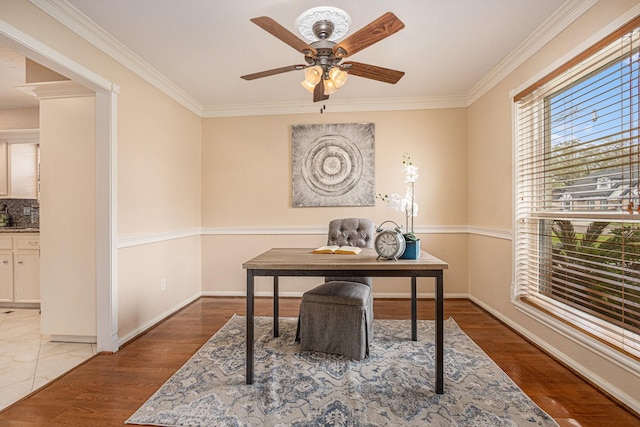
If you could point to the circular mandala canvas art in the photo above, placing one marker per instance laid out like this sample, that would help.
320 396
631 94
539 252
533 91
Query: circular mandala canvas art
333 165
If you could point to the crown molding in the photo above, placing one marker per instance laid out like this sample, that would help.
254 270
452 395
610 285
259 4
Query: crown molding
79 23
76 21
340 106
561 19
54 90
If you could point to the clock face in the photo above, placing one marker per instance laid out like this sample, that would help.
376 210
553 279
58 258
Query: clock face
389 244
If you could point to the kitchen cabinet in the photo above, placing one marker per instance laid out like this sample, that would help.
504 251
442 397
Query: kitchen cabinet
23 171
26 277
19 164
4 169
19 268
6 277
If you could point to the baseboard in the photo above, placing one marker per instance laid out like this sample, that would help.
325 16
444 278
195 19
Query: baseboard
81 339
604 386
156 320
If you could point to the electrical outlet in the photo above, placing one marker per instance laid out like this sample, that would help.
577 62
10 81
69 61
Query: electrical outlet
163 284
26 210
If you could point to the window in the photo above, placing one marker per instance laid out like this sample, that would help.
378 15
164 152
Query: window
577 189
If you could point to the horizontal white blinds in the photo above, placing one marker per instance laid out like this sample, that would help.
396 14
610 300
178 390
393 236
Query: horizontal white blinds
578 192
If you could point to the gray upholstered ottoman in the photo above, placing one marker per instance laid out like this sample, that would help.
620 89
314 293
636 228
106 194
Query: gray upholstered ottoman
337 317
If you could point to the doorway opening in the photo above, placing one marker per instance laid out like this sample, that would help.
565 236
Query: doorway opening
106 94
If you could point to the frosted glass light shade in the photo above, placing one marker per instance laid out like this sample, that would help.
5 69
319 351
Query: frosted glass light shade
329 87
312 75
308 86
338 76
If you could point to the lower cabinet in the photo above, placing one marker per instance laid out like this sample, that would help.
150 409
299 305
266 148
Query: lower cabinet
6 277
26 277
19 268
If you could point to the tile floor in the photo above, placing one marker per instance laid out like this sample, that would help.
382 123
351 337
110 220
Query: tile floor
28 359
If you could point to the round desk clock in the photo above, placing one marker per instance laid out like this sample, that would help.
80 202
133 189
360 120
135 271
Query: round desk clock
389 243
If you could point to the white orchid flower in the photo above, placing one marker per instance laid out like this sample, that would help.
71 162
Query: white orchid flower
407 203
415 209
410 173
394 201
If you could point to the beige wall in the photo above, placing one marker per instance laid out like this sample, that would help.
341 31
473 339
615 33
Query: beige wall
490 205
36 73
159 184
246 164
67 217
19 118
246 188
159 180
142 267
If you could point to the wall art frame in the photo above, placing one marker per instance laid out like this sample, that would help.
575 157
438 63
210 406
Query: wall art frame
333 164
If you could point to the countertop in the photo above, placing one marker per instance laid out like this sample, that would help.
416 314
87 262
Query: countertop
19 230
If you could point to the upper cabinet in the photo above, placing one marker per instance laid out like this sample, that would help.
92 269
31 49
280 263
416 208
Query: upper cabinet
19 164
23 171
4 169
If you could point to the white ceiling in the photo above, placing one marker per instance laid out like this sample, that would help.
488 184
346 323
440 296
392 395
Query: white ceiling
203 46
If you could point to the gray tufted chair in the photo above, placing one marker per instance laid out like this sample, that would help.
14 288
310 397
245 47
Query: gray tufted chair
337 316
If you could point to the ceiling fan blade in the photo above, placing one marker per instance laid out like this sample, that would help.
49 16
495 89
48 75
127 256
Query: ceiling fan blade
377 30
277 30
272 72
373 72
318 92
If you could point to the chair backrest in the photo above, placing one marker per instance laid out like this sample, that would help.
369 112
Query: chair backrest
351 232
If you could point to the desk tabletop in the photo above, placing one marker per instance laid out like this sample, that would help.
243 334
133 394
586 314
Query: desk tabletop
304 259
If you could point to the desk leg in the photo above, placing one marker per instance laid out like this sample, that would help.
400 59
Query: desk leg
249 332
439 333
414 309
276 307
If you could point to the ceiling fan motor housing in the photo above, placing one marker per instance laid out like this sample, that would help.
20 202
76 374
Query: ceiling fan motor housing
324 57
323 29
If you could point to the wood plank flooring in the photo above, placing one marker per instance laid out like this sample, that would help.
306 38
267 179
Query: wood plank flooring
108 388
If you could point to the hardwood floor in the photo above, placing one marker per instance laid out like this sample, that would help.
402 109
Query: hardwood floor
108 388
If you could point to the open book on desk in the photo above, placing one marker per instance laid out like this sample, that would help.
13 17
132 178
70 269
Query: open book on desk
342 250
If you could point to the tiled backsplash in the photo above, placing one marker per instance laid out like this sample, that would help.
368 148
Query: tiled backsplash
23 212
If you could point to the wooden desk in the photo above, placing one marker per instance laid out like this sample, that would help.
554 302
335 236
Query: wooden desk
301 262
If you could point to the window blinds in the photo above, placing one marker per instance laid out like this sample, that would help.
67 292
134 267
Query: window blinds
578 191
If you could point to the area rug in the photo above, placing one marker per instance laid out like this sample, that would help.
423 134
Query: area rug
394 386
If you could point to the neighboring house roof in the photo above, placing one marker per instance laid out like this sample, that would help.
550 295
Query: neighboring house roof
604 184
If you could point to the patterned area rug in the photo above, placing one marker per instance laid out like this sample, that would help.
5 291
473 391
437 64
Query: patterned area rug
395 386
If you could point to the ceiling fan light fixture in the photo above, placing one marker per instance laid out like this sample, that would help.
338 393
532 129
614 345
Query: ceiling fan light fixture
308 86
338 76
329 87
312 75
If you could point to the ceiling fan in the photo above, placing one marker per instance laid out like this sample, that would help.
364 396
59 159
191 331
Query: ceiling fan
324 74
